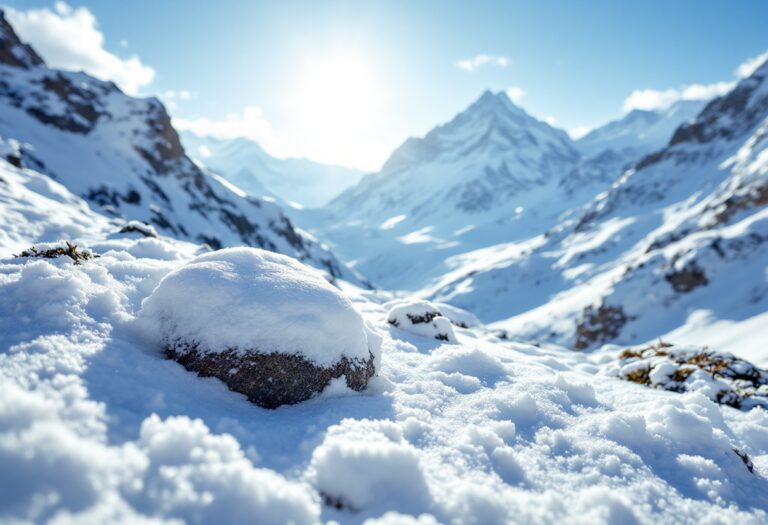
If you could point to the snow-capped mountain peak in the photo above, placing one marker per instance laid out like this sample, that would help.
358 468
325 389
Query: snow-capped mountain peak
493 124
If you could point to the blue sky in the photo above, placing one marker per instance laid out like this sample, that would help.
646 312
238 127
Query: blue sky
347 81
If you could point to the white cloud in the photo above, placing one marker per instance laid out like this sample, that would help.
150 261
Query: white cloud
515 94
658 99
749 66
650 99
250 123
550 120
171 97
70 39
477 61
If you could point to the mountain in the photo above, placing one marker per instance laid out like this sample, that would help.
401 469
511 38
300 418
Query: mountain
244 163
475 165
609 150
639 132
485 177
675 248
124 157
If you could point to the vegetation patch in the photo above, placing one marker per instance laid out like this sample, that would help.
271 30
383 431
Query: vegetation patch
52 251
722 377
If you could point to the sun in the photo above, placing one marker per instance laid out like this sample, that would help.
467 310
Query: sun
337 104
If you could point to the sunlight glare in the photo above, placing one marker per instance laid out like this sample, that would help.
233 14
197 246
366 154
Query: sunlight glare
337 103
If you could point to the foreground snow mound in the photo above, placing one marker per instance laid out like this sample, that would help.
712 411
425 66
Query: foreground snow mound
722 377
421 318
265 324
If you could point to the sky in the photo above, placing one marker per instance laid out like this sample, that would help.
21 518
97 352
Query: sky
346 82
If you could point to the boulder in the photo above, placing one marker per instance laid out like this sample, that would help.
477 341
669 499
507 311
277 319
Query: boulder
266 325
421 318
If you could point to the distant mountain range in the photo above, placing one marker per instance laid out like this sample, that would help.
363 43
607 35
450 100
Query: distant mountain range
245 163
675 247
493 174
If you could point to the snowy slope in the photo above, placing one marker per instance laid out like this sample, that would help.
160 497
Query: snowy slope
244 163
97 427
675 248
123 156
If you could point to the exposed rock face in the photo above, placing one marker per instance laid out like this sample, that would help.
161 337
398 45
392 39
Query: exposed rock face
687 278
130 161
599 325
272 380
12 51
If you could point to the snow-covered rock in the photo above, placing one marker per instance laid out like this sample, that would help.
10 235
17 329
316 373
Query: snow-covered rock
458 316
722 377
421 318
142 228
265 324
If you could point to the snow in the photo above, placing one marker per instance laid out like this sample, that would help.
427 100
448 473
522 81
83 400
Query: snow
96 425
421 318
248 299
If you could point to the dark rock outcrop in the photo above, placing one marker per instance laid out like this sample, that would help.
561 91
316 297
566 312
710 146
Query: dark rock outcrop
12 51
687 278
274 379
599 325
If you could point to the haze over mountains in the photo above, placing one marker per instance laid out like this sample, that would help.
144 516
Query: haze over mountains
244 163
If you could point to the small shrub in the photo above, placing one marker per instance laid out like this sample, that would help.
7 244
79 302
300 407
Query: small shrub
69 250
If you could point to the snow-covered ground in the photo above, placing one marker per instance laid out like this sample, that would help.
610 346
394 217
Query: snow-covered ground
97 426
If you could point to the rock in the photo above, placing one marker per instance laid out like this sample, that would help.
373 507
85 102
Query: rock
266 325
722 377
599 325
421 318
687 278
142 228
271 380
